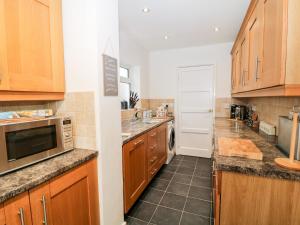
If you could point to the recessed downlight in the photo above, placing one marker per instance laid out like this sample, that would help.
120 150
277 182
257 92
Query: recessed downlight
146 10
166 37
217 29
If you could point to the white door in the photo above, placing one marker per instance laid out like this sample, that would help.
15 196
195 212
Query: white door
195 110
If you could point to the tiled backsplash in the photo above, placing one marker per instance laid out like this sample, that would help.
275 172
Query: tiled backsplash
222 106
81 107
18 106
270 108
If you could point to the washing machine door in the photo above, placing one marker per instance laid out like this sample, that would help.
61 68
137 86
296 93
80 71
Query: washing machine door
172 139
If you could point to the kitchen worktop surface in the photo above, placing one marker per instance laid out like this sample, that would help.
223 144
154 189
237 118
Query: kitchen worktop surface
27 178
139 127
266 168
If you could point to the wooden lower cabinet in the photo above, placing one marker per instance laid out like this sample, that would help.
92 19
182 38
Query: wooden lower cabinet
254 200
2 215
134 170
142 159
70 199
18 211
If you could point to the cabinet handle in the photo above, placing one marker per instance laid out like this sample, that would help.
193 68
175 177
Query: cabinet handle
43 200
256 70
153 159
153 135
153 147
21 214
139 143
153 172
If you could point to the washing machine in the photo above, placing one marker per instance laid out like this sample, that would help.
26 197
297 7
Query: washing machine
170 141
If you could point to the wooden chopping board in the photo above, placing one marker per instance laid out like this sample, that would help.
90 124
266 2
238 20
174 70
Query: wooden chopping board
239 147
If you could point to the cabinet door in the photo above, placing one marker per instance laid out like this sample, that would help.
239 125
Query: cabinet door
236 71
255 30
134 169
2 215
152 150
74 197
245 79
162 144
17 210
32 45
40 202
274 42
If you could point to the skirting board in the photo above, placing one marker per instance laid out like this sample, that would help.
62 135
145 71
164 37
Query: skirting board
203 153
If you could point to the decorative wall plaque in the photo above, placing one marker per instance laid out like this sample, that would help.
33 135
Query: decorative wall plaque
110 76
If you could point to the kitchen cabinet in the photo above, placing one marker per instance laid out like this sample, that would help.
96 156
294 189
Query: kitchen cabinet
71 198
248 200
2 216
236 71
216 196
17 210
142 159
31 46
134 169
273 44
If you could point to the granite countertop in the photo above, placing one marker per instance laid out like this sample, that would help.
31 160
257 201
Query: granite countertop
264 168
27 178
139 127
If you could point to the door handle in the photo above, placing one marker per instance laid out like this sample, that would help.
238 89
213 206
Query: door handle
21 214
256 70
45 220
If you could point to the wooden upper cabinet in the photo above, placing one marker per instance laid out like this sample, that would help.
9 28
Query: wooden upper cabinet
17 210
236 79
245 78
255 32
31 45
134 170
2 215
273 45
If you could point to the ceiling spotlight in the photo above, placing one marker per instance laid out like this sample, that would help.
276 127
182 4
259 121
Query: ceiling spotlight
166 37
217 29
146 10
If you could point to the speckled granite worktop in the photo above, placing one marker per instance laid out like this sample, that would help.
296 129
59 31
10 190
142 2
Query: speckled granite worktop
265 168
27 178
139 127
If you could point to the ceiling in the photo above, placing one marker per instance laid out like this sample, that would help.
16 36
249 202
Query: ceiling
185 22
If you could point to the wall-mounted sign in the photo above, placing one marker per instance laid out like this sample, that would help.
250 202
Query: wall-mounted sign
110 76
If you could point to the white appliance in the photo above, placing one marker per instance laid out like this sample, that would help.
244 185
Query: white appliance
170 141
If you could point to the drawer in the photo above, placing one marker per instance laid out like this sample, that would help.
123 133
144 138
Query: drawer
152 137
152 151
152 160
153 171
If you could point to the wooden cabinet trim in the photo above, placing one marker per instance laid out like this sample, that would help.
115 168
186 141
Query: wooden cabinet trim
30 96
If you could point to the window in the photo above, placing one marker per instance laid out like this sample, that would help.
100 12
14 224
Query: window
125 85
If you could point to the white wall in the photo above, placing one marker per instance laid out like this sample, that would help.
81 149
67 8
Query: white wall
90 30
163 65
134 55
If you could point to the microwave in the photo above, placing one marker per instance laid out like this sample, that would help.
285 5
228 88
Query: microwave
25 141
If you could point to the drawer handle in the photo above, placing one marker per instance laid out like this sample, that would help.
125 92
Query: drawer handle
153 135
153 159
139 143
153 172
153 147
256 70
21 214
43 200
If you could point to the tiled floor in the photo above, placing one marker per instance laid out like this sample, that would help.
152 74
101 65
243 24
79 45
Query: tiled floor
180 194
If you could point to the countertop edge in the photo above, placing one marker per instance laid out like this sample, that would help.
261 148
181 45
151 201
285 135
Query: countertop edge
46 178
146 130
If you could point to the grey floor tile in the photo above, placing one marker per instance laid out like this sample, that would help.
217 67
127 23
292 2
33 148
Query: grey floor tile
174 162
159 184
190 158
202 173
152 195
201 182
201 193
181 178
185 170
165 216
178 157
173 201
179 189
189 164
190 219
170 168
204 167
133 221
142 211
165 175
198 207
